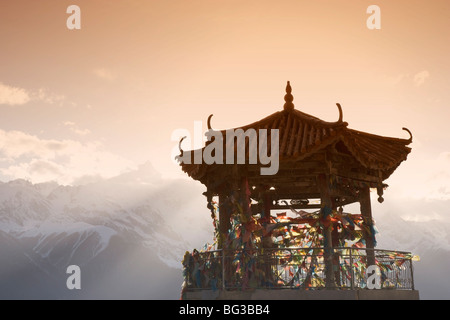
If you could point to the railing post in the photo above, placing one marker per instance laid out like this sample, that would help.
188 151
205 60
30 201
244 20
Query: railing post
397 275
412 273
352 273
223 269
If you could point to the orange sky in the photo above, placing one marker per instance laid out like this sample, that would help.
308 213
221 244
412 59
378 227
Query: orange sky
77 104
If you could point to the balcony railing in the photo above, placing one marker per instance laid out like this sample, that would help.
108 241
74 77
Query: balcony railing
297 268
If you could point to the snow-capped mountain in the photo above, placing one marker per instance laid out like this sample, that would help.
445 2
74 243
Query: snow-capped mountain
423 228
128 234
99 226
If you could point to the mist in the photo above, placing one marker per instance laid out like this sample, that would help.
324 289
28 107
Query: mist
129 233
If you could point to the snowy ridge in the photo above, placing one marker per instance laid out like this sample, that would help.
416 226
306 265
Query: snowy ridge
137 227
55 217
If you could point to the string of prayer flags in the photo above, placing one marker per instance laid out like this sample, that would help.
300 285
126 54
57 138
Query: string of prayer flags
246 257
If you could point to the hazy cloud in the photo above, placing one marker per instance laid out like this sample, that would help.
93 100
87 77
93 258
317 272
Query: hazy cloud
394 80
416 183
17 96
75 129
105 74
13 95
44 167
16 144
439 180
28 157
419 78
48 97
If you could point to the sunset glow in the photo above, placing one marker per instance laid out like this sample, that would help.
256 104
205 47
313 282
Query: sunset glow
119 90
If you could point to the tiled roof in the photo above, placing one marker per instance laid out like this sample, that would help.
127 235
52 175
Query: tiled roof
301 134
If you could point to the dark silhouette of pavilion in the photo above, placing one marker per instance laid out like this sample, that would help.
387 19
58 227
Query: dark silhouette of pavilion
323 166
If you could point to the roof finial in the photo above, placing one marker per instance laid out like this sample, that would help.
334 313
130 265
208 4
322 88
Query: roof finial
288 98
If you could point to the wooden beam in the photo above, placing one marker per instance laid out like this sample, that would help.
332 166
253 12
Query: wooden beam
294 194
347 200
296 206
224 220
354 174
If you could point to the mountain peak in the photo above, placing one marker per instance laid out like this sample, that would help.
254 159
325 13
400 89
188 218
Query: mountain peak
20 182
144 173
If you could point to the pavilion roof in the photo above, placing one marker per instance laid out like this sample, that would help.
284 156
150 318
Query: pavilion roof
301 135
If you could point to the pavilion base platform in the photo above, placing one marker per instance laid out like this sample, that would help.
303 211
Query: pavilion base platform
293 294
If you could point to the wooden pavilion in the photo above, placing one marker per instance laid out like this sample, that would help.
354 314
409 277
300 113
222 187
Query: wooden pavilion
323 166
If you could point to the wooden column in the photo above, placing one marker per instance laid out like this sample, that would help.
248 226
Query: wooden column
267 239
267 200
326 205
245 198
224 227
224 220
366 212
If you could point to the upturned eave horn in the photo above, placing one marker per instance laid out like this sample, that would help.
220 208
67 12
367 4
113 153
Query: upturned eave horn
341 114
410 134
179 147
209 122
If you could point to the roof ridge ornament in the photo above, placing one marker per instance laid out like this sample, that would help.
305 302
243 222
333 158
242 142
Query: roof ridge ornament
288 106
